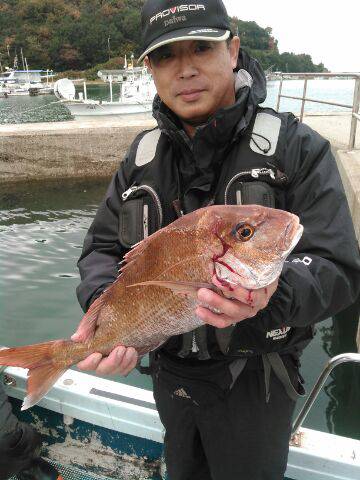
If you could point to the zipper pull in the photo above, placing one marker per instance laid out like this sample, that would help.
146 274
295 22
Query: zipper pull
194 346
271 173
128 192
177 207
255 172
280 177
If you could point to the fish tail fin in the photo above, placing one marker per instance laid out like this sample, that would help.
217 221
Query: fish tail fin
44 368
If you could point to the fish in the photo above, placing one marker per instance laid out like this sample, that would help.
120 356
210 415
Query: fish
154 296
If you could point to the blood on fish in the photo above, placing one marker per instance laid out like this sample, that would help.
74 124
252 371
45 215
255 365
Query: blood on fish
226 265
249 297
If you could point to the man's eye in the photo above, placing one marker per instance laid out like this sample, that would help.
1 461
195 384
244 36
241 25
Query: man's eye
165 55
161 56
202 47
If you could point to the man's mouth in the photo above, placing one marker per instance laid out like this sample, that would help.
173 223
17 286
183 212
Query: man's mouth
190 95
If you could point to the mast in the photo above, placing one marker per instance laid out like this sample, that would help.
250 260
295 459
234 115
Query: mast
27 70
22 58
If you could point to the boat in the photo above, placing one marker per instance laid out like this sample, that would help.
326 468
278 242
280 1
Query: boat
95 428
137 91
14 82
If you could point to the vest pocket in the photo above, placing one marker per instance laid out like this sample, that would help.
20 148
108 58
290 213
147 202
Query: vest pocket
250 193
140 215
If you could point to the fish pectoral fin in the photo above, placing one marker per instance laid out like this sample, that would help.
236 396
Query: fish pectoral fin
188 289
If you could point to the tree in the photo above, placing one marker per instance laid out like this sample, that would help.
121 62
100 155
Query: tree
73 34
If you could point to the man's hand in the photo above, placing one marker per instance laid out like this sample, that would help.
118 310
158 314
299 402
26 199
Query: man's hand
120 361
234 306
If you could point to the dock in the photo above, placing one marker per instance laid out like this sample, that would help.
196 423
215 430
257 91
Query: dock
71 149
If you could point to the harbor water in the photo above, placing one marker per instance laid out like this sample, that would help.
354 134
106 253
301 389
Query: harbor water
42 227
47 108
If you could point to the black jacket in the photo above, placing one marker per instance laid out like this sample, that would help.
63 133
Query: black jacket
321 276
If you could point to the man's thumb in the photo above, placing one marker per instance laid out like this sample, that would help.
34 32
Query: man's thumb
76 337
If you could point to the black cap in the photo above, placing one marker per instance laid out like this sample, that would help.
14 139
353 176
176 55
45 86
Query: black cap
167 21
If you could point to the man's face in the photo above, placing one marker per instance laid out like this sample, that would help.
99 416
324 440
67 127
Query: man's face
194 78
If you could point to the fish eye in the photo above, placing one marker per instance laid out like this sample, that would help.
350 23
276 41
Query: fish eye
243 232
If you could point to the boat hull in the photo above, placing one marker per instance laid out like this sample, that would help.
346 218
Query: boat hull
122 432
94 109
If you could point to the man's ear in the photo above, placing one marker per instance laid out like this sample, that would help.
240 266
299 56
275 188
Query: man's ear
234 48
147 63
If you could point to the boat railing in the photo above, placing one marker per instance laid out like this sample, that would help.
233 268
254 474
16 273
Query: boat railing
329 367
355 116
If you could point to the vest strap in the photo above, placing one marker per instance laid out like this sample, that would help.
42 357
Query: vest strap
223 337
274 361
187 340
201 342
236 368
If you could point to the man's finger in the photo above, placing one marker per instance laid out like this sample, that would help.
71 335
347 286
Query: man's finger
216 320
129 361
109 365
91 362
258 298
235 291
233 308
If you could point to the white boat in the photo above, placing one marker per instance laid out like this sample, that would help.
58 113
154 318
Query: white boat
14 82
95 428
137 91
97 107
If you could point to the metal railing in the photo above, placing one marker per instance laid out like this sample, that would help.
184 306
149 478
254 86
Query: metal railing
332 363
355 116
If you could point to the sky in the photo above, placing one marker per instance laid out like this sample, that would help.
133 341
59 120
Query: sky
329 30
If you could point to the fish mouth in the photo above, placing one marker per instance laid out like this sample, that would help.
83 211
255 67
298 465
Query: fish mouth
290 237
228 277
224 274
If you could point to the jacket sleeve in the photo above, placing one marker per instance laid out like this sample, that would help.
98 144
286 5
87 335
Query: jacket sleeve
102 251
322 275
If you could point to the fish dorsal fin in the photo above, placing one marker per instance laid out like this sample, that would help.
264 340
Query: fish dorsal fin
147 261
136 251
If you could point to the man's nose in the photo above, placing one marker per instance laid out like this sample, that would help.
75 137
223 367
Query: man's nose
187 67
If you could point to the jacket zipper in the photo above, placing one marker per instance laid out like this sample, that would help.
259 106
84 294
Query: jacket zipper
135 188
254 172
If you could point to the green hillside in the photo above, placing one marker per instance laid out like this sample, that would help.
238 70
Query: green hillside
83 34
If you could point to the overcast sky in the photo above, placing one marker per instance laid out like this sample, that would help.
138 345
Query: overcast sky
329 30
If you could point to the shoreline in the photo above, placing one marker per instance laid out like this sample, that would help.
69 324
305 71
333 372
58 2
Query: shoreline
94 147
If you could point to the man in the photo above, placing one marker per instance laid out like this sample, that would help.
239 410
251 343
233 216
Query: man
226 392
20 446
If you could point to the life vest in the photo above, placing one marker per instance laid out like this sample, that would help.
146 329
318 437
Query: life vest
254 171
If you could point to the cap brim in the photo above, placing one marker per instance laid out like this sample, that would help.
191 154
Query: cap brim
209 34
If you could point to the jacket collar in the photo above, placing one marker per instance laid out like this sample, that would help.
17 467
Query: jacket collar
202 156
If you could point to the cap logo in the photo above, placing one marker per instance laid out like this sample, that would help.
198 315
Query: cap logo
177 9
203 30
